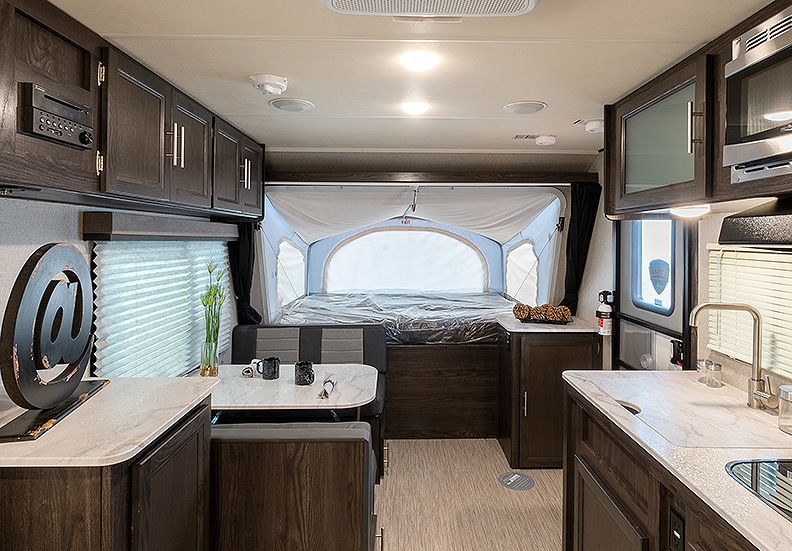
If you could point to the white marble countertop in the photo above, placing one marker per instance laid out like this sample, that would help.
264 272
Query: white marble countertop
513 325
694 431
356 386
113 425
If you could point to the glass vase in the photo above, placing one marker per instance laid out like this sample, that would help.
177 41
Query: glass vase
209 359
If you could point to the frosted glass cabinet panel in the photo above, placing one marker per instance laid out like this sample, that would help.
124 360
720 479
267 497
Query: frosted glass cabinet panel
658 145
656 142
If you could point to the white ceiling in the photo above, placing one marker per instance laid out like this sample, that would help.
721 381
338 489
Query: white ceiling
576 55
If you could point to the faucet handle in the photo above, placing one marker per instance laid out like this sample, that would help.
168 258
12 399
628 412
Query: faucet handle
765 394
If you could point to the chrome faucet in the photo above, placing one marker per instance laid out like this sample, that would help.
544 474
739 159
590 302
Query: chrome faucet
757 395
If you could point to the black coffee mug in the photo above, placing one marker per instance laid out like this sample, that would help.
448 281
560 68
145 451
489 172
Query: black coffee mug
303 373
269 368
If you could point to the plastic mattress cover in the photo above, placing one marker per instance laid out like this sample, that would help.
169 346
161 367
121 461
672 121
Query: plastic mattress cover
425 318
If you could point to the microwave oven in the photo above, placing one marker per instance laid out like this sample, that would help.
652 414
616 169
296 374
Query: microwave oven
759 101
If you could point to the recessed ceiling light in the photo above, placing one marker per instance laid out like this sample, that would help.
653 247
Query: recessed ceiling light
415 107
293 105
525 107
419 60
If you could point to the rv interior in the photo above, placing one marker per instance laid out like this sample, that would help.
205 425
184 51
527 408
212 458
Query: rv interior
346 275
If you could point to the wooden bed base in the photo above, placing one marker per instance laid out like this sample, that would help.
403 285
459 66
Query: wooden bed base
442 391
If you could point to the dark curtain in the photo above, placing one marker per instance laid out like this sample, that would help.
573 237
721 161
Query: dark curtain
585 201
242 254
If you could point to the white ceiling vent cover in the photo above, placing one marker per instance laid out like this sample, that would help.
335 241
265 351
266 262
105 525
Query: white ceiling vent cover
433 8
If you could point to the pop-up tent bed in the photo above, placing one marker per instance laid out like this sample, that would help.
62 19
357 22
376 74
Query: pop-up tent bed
434 265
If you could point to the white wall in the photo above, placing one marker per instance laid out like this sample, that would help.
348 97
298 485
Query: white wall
27 225
598 274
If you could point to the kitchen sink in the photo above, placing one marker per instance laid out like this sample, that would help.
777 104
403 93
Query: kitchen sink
769 479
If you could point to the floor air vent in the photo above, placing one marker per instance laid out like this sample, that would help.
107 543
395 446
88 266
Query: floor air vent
516 481
433 8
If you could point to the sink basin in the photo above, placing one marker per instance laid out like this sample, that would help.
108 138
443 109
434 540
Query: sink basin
768 479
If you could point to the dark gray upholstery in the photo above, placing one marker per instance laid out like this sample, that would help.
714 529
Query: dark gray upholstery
362 343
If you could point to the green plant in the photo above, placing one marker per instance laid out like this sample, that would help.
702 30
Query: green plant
212 299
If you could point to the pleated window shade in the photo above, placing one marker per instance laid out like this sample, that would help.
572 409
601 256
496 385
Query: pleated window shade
149 316
761 278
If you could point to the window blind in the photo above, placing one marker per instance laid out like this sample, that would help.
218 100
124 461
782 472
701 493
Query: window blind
759 277
149 316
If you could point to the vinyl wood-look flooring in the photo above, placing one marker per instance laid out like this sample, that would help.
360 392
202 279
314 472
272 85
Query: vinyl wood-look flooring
444 495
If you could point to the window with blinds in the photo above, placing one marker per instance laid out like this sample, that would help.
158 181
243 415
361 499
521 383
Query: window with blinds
149 316
759 277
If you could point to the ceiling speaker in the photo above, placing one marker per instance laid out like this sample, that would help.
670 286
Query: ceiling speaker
433 8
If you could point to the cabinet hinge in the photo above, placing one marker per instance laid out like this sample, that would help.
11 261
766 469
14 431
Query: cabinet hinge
99 163
101 73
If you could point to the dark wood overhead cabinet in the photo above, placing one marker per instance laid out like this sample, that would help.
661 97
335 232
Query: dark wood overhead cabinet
657 141
42 46
237 176
157 140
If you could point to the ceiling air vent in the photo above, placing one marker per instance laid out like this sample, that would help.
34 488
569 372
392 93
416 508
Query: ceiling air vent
433 8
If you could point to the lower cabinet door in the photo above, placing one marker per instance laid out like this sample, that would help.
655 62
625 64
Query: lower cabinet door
601 524
170 488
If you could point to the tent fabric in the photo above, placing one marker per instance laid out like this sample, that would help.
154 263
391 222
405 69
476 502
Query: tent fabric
497 212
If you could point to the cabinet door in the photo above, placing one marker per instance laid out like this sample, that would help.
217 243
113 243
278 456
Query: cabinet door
228 170
192 138
600 522
252 180
544 357
42 45
656 146
136 103
170 488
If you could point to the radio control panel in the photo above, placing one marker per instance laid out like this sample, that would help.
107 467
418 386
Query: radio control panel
54 117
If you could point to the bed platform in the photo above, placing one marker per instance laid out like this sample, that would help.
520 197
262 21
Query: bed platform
442 377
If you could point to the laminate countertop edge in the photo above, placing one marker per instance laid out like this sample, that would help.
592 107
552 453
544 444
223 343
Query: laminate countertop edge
111 427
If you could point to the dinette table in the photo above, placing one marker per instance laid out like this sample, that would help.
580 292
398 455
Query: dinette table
355 386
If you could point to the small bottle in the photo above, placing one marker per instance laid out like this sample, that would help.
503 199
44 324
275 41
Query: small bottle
714 379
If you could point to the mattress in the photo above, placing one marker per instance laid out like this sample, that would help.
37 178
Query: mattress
426 318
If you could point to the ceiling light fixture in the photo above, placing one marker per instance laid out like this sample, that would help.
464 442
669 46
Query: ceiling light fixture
419 60
545 139
292 105
269 84
527 107
415 107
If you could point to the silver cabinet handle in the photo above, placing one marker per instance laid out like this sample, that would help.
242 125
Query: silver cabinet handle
248 171
181 151
690 139
381 537
525 404
175 142
243 166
